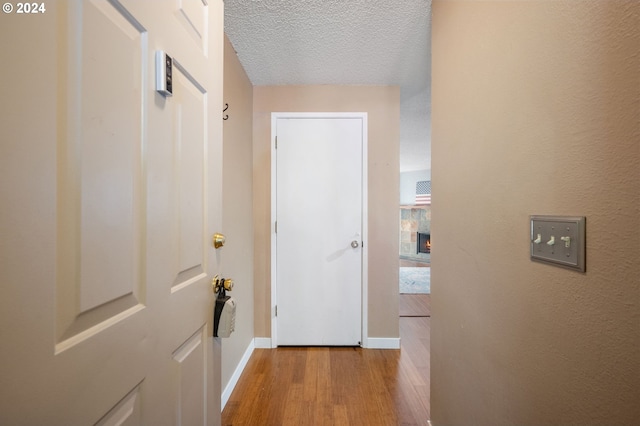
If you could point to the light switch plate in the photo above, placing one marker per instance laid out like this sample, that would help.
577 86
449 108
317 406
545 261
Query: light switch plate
559 240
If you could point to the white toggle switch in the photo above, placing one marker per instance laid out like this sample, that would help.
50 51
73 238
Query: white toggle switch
567 241
538 240
552 241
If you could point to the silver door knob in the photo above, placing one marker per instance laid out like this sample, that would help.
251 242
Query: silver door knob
355 244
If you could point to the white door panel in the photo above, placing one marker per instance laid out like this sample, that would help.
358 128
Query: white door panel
319 216
107 313
190 149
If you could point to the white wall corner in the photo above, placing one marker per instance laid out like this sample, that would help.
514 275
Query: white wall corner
382 343
262 342
233 381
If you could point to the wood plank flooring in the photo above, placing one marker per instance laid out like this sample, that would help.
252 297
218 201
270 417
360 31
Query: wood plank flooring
337 386
414 305
414 264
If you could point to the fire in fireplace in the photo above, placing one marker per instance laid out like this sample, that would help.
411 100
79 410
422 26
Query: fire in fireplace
424 243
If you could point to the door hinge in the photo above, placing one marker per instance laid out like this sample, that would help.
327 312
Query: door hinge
276 310
276 142
276 226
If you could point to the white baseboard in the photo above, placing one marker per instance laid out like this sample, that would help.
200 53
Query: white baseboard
382 343
233 381
262 342
370 343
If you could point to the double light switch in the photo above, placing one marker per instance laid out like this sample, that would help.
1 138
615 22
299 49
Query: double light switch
559 240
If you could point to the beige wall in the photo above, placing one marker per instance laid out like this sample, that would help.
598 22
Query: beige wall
535 111
382 104
237 218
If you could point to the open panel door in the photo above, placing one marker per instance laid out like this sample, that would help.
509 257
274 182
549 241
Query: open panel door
111 193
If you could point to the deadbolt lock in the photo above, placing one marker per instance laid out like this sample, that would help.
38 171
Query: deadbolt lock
218 240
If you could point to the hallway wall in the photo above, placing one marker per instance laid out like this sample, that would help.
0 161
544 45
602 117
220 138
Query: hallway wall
535 111
237 208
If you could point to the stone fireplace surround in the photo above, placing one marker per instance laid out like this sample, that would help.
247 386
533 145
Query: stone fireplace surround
414 219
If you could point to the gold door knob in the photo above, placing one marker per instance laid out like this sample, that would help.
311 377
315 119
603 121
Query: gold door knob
218 284
228 284
218 240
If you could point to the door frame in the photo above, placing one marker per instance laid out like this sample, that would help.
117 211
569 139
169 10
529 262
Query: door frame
365 217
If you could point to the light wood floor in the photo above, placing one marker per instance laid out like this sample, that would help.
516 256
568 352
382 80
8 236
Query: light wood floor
413 263
337 386
414 305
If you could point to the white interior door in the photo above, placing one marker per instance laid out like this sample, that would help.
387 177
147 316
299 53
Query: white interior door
319 230
112 193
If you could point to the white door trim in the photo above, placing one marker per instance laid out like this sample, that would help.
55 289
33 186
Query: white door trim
365 217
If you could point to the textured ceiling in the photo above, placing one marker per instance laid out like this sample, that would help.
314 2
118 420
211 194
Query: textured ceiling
363 42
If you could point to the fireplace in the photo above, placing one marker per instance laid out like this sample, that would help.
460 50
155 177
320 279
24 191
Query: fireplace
414 220
424 243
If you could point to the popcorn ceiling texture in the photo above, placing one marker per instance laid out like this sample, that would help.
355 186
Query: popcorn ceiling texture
355 42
